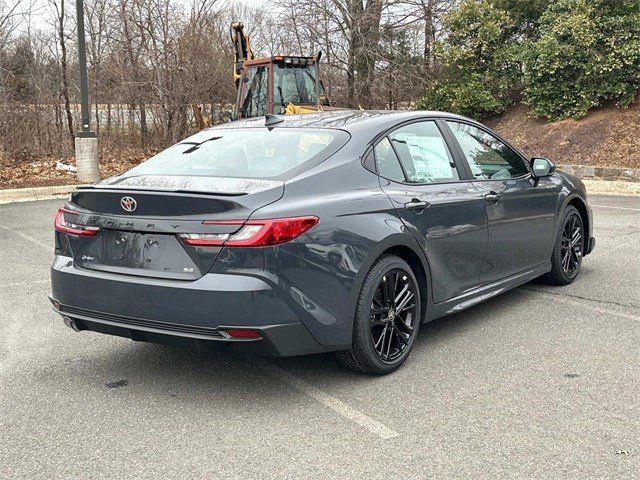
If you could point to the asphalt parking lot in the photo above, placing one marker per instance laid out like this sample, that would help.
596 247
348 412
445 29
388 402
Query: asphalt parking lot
540 382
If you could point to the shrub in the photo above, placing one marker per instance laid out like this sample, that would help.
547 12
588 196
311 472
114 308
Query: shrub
478 72
588 52
467 94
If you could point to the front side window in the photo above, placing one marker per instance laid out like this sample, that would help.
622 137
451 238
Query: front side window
244 153
254 103
423 153
488 157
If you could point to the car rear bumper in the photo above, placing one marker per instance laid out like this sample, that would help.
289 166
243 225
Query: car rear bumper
185 313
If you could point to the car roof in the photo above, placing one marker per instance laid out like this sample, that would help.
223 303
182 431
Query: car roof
353 121
363 125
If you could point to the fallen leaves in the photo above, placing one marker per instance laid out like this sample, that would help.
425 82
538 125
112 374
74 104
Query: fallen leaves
47 171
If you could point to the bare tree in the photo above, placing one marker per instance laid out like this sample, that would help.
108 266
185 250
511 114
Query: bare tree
364 38
99 29
9 13
60 28
151 61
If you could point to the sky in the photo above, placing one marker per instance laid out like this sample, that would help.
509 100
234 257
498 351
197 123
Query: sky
41 11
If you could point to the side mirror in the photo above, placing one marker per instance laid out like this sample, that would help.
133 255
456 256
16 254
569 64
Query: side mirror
542 167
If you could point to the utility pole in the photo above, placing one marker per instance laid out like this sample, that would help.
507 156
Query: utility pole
87 161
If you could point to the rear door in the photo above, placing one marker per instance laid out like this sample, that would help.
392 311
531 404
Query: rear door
442 209
520 211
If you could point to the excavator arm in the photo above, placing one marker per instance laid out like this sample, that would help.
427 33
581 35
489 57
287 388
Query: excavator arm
242 50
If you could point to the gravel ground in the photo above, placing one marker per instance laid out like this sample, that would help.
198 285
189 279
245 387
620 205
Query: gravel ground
539 382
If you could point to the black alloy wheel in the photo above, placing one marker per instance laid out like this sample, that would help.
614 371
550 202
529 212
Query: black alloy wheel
572 244
393 314
388 316
569 249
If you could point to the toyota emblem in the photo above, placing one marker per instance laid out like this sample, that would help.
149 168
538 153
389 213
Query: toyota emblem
128 204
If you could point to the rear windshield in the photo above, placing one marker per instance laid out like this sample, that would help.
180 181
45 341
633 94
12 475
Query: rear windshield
245 153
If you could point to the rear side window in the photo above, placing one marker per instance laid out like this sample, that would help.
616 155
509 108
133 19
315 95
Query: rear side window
245 153
423 153
488 157
387 161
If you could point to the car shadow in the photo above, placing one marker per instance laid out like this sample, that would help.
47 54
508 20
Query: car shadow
184 373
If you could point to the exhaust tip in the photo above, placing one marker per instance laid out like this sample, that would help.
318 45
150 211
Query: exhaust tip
71 323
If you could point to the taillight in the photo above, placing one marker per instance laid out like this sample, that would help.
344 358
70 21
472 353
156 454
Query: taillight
64 226
204 239
253 233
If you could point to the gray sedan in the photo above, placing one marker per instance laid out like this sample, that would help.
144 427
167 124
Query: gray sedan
340 231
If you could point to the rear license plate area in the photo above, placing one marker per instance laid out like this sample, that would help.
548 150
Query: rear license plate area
158 255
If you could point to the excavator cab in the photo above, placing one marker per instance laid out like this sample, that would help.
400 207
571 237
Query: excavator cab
280 85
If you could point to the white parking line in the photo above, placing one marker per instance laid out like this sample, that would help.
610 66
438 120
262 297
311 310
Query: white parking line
29 238
338 406
617 208
585 304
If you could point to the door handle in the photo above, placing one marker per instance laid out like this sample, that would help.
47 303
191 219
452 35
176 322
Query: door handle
493 197
416 205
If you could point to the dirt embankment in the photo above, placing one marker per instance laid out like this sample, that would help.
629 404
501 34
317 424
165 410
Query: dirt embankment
607 137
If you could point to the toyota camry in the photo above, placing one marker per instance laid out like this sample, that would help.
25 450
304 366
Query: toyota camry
332 232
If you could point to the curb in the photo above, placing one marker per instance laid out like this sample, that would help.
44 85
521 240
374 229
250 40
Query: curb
602 173
37 193
604 187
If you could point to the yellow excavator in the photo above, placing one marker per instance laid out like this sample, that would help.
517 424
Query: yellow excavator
280 85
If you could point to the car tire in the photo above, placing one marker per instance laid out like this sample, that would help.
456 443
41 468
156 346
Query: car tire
565 269
369 327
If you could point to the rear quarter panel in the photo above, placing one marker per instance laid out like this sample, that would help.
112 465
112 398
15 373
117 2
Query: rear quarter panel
321 272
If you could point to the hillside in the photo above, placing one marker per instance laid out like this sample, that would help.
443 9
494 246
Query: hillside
607 137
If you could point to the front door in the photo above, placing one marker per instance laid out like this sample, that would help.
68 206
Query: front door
445 214
520 211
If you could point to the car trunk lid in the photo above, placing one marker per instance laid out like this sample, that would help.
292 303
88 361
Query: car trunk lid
140 217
